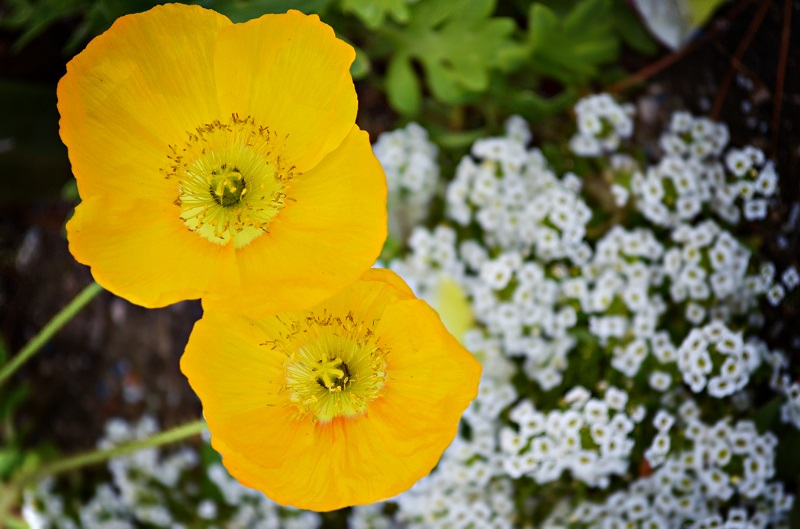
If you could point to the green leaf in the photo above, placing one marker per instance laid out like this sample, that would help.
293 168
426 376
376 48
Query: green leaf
13 523
9 459
572 49
11 401
631 30
459 44
361 65
537 108
373 13
244 10
402 86
457 140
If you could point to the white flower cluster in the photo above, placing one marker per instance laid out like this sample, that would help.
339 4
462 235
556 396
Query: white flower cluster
433 257
756 180
146 485
694 137
669 304
412 174
722 463
591 439
777 290
708 267
602 124
596 330
692 176
516 198
715 358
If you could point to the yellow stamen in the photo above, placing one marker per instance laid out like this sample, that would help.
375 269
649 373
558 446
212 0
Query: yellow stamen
334 366
231 182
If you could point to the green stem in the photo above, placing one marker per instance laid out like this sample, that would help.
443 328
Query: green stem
14 522
52 327
98 456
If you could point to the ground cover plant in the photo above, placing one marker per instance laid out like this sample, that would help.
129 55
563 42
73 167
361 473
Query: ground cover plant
609 227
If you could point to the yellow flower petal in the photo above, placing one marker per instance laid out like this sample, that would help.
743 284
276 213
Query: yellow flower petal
385 385
226 160
155 264
135 89
292 74
321 241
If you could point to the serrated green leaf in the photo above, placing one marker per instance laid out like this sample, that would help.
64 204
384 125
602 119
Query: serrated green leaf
543 26
430 13
458 45
402 86
536 108
373 13
442 82
572 49
244 10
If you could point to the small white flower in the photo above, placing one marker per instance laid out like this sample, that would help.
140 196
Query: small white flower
738 162
616 398
660 381
577 397
755 209
775 294
790 277
207 510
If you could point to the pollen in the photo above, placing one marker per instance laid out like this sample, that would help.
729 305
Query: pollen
231 183
334 366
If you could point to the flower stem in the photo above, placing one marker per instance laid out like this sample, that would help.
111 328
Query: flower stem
52 327
66 464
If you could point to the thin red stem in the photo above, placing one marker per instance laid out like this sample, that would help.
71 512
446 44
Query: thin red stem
736 60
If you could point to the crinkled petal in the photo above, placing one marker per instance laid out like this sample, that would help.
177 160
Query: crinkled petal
327 235
134 91
431 379
291 74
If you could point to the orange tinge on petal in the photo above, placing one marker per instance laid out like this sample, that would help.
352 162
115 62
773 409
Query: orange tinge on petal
348 403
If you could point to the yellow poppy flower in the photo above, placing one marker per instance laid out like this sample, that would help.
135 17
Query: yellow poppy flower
221 161
348 403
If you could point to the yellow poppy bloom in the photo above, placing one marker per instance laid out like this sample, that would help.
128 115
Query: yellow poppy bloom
348 403
221 161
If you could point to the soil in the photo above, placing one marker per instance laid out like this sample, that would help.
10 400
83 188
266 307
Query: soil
120 360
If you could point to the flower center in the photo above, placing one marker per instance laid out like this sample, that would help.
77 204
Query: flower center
334 366
334 374
229 188
231 183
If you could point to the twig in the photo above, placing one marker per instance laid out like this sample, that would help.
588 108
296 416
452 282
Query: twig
736 60
742 68
781 76
668 60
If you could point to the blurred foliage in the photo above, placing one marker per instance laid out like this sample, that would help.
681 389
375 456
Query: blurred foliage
459 67
435 52
15 454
